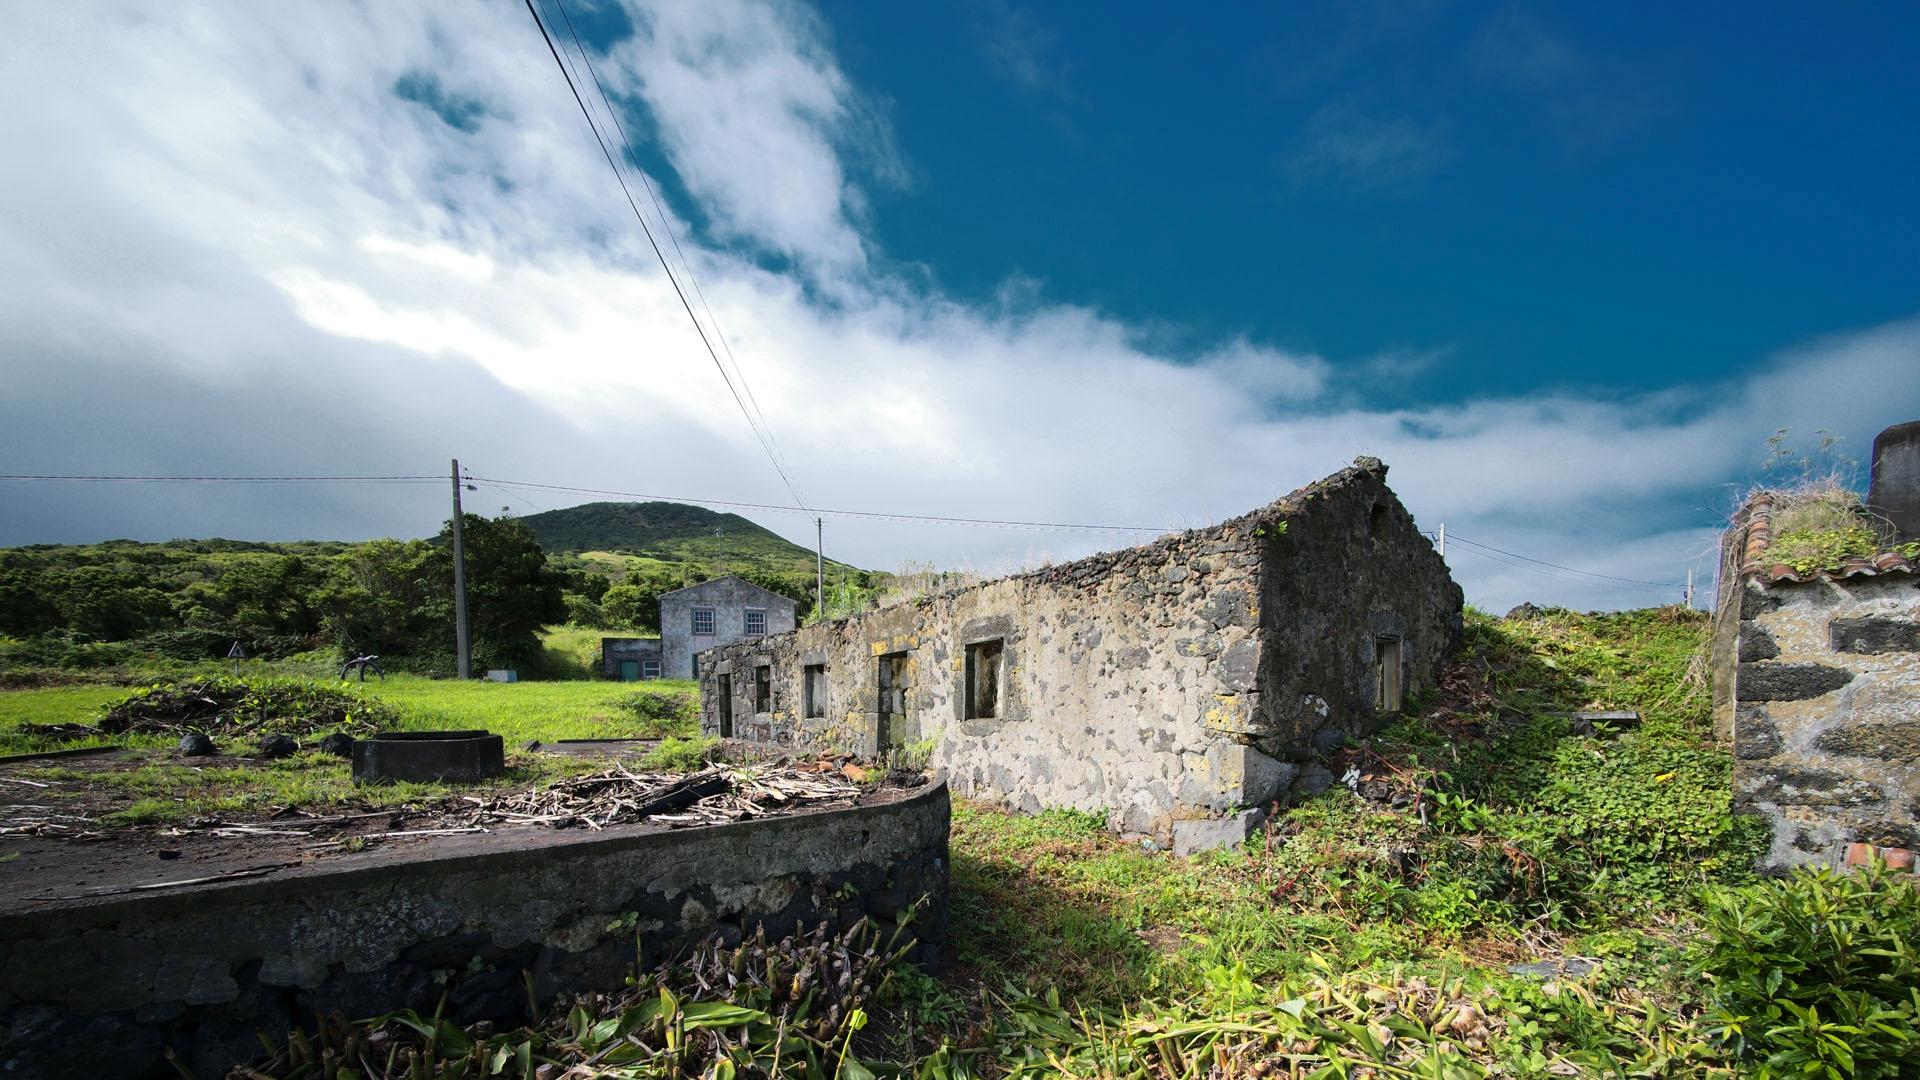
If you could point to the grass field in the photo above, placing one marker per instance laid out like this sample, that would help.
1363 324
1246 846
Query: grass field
518 712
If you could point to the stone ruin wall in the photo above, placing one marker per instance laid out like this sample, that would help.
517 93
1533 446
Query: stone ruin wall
1123 678
1351 572
1185 678
1819 684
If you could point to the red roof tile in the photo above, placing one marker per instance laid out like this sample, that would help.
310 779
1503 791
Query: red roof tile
1759 517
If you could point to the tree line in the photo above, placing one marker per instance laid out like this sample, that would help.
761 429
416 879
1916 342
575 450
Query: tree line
124 602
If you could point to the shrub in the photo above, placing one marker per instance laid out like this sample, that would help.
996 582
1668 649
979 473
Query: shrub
229 707
682 755
662 712
1816 974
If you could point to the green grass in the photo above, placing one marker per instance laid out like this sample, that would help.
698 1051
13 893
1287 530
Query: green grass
570 652
518 712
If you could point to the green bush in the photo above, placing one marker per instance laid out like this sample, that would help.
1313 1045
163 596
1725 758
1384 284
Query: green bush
663 712
229 707
1816 974
682 755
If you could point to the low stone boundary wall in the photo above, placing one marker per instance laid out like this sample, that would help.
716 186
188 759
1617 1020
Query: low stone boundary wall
104 987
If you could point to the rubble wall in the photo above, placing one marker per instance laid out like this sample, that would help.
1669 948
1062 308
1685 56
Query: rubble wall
1351 577
1824 691
1112 695
1134 680
105 987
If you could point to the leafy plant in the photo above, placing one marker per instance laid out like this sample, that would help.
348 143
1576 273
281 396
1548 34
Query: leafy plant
663 712
682 755
1817 974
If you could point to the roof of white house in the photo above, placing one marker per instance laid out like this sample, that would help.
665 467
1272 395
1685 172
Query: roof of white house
730 577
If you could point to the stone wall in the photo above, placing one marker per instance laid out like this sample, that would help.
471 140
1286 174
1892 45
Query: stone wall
1184 679
1822 695
1350 573
103 987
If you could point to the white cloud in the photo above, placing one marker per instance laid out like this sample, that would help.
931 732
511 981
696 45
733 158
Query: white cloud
237 247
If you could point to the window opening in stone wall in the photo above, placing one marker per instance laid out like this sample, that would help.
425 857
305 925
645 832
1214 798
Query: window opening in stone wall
649 669
725 688
1388 693
702 622
814 684
763 689
895 688
983 679
756 623
1376 520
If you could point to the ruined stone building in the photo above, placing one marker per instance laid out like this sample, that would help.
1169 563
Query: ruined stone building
1178 687
1816 676
716 612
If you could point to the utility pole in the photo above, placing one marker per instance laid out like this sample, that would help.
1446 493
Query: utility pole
1689 586
462 644
1443 539
819 569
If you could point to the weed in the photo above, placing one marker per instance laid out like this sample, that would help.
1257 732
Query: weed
682 755
660 713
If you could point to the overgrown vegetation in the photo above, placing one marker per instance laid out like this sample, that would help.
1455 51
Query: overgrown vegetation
663 712
518 712
1818 974
1819 521
1501 890
160 607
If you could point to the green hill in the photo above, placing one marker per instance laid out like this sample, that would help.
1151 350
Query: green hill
668 532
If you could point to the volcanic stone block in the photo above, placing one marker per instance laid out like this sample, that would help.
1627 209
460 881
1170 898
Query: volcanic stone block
1754 733
1195 835
1897 740
1756 643
1872 635
1789 682
1790 786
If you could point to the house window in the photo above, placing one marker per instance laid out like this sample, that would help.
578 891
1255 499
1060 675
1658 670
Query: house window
763 689
756 623
815 686
649 669
1388 693
983 679
702 622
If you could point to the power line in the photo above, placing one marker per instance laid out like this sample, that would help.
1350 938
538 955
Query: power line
658 254
666 226
1488 551
1557 566
102 479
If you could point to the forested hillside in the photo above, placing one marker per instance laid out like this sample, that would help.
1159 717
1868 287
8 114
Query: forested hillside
124 603
619 558
667 532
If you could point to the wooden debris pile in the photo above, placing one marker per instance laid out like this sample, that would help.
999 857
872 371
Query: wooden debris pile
617 796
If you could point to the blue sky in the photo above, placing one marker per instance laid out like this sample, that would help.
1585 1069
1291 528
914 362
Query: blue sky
1564 269
1529 195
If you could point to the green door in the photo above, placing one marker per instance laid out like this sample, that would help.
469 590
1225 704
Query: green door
629 671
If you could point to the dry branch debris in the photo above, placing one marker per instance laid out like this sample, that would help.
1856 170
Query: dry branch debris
619 796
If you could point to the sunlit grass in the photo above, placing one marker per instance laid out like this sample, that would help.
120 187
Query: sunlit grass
518 712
